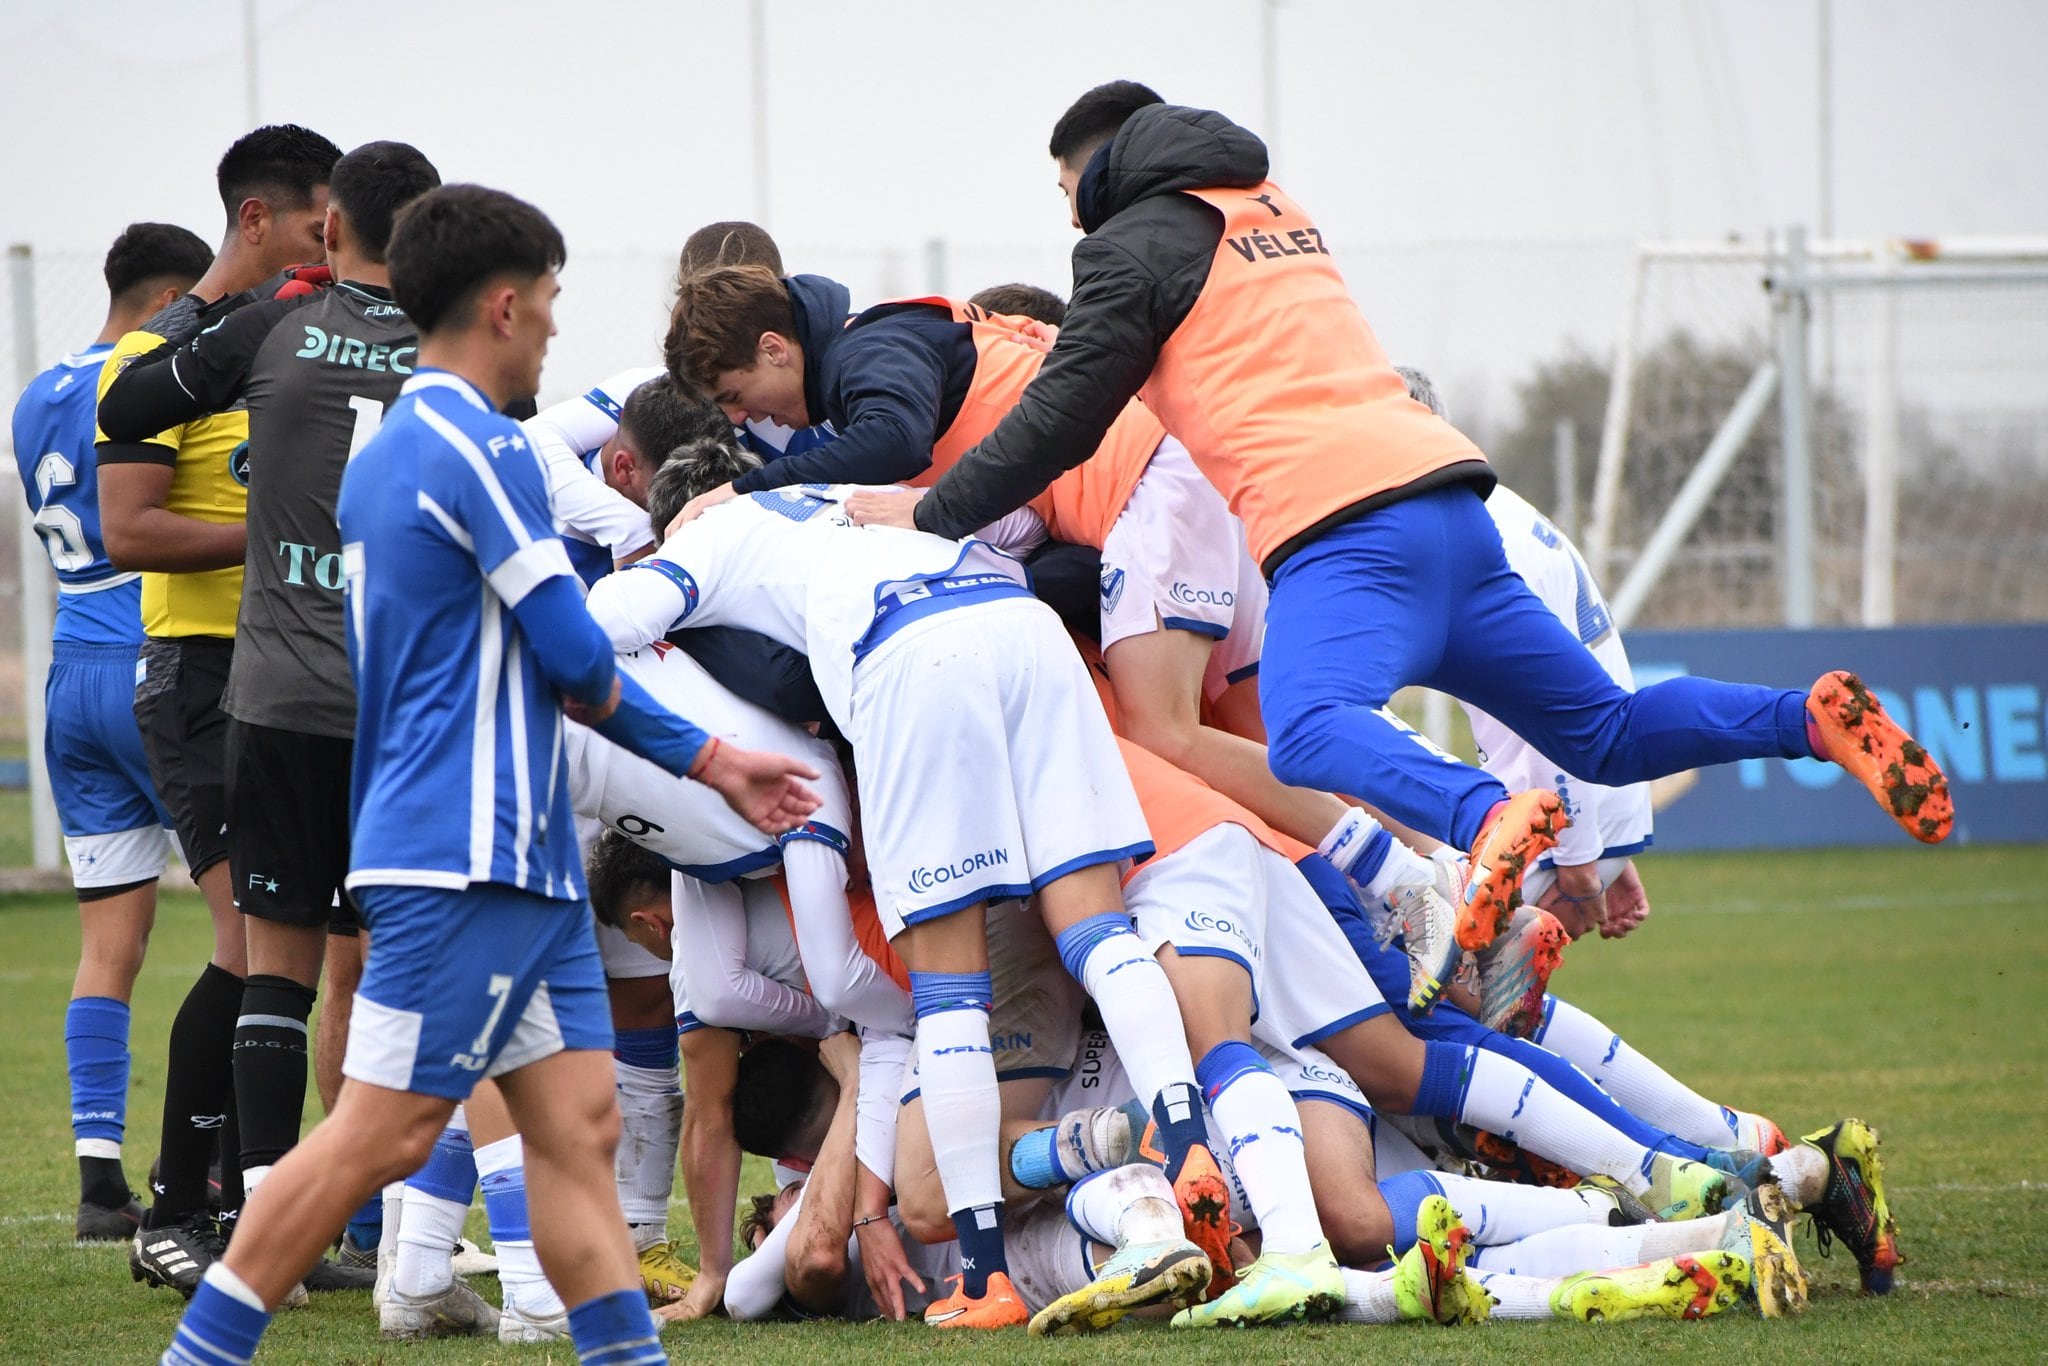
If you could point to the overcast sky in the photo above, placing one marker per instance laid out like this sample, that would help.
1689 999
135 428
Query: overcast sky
891 122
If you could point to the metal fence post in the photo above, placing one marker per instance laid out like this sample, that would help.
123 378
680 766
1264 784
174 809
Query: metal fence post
1881 450
1795 309
36 586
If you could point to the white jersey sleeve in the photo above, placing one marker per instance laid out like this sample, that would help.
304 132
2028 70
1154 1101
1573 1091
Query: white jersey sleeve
842 976
566 435
734 961
883 1058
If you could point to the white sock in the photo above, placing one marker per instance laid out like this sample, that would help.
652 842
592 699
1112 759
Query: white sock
252 1177
1140 1012
1263 1131
1125 1206
428 1228
1519 1297
1503 1212
957 1074
1568 1251
234 1287
1348 840
1507 1099
650 1126
1640 1085
525 1285
1369 1297
1802 1171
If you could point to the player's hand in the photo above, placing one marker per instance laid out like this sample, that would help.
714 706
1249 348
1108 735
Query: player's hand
764 787
707 1295
1576 899
888 1270
298 280
840 1053
885 507
1628 905
583 713
698 506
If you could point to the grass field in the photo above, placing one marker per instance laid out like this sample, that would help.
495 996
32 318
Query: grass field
1908 986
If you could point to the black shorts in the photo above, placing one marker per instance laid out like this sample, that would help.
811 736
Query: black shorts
288 826
178 683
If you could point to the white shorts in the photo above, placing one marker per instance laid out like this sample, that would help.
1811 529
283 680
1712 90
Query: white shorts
120 858
1048 1256
623 958
987 768
1176 559
1034 1019
1308 1075
1225 895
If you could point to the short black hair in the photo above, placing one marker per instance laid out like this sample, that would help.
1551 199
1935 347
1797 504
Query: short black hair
146 252
734 242
1023 301
778 1090
372 183
1094 118
658 417
690 469
279 163
452 241
622 875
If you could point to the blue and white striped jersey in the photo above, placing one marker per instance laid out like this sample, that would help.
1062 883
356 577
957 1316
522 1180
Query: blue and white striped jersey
53 446
459 774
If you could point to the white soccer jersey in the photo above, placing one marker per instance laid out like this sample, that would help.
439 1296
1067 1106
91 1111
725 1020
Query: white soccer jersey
566 436
791 564
1609 822
735 963
686 822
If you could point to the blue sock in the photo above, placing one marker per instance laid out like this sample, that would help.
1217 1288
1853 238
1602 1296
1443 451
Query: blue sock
980 1231
616 1330
1446 1076
96 1048
652 1049
1223 1064
217 1330
505 1205
1404 1195
450 1170
366 1225
1177 1111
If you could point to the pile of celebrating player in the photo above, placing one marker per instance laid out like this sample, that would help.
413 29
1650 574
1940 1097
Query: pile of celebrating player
969 720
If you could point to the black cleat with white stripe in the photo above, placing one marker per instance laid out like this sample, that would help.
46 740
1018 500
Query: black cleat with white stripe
177 1254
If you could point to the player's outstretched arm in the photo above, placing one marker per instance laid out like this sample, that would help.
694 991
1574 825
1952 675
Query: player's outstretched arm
767 789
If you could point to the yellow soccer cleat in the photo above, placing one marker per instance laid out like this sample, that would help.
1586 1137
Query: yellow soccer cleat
1759 1230
1277 1288
1174 1273
1430 1280
1853 1207
1688 1287
663 1275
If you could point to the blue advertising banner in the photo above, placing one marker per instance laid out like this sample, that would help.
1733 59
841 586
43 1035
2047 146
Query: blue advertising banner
1972 694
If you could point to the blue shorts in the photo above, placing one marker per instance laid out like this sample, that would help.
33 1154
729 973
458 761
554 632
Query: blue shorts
465 985
99 773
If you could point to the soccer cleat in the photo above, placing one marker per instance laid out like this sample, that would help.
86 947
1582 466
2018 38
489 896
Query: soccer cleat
1277 1288
326 1276
664 1275
1512 1162
999 1306
457 1312
1172 1273
1688 1287
1204 1202
100 1224
1514 972
1524 829
1857 733
1628 1210
1430 1280
1759 1230
1853 1207
1093 1140
1756 1132
1747 1167
352 1253
1686 1190
514 1325
470 1260
176 1255
1429 929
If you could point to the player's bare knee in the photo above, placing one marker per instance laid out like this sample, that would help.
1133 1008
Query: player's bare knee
1357 1224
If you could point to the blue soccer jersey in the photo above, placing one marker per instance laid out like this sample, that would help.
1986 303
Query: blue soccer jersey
53 446
459 775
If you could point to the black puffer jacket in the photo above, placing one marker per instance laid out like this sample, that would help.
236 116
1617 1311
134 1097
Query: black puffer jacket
1137 273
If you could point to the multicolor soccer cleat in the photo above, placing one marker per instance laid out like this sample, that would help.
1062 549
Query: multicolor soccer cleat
1760 1231
1509 1161
1277 1288
1430 1280
999 1306
1204 1202
1688 1287
1514 972
1686 1190
1523 830
1756 1132
1628 1209
1853 1206
1174 1273
664 1275
1857 733
1429 929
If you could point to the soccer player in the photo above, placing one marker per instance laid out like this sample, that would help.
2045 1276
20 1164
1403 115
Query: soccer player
114 826
315 373
986 772
172 506
1202 288
461 604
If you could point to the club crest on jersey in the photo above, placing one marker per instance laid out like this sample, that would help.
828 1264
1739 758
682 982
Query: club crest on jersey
1112 588
238 464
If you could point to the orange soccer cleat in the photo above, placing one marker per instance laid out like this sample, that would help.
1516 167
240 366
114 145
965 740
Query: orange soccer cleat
1858 734
1522 830
1000 1306
1204 1202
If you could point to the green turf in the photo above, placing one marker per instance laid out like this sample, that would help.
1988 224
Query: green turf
1908 986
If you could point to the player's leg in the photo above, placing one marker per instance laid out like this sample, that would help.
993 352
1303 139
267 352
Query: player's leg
114 930
1131 1255
646 1067
418 1294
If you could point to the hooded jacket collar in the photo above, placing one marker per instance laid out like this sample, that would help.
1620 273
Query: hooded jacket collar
1163 149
